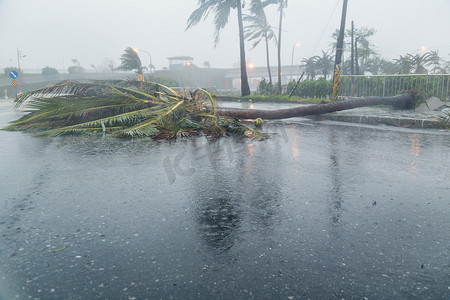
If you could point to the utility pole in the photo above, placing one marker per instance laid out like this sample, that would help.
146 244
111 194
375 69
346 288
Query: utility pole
353 63
356 57
339 50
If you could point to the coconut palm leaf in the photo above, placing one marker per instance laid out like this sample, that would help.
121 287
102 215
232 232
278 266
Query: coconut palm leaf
118 122
64 112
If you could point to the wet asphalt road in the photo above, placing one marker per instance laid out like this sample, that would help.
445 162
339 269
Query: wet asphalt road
322 210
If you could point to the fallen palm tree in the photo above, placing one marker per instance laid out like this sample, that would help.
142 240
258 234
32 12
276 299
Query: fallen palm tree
124 108
142 109
400 101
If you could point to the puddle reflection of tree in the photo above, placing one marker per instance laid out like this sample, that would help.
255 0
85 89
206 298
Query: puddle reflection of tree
335 199
229 190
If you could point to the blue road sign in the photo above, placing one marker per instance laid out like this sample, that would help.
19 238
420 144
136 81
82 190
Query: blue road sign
13 74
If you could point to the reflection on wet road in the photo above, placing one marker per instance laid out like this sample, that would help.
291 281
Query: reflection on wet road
321 210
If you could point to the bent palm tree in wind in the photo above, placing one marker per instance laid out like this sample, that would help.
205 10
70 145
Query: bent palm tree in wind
130 61
222 10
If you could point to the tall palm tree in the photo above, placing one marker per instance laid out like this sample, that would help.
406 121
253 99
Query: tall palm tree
259 29
420 62
310 67
324 63
130 61
435 60
404 64
282 4
222 10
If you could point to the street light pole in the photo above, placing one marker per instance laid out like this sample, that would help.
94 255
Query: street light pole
19 56
292 61
149 55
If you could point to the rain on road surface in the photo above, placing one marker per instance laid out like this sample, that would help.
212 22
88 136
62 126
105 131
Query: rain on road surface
321 210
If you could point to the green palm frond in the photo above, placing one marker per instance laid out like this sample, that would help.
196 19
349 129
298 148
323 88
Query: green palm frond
444 120
124 109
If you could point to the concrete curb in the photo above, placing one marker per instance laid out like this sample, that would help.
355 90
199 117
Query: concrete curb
375 120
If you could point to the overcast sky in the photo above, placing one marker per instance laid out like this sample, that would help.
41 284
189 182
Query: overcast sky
52 32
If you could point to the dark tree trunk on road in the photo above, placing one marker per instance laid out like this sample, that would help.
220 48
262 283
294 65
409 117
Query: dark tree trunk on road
399 101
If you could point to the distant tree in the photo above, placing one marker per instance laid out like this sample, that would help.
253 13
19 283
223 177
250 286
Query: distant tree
77 68
366 50
8 70
107 65
324 64
447 67
387 67
222 10
420 62
130 61
404 64
259 29
436 62
49 71
310 67
207 64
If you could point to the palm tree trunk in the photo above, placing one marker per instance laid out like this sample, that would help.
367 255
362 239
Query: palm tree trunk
279 47
245 88
399 101
268 61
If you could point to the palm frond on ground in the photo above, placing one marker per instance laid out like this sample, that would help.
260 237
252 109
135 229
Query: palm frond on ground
444 120
124 109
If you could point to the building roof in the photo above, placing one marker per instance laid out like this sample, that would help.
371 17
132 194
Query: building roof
180 58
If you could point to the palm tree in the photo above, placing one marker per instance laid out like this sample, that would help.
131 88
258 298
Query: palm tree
404 64
143 109
435 60
310 67
124 109
130 61
222 10
324 63
387 67
420 62
259 29
282 4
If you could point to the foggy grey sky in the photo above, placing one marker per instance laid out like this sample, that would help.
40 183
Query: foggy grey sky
52 32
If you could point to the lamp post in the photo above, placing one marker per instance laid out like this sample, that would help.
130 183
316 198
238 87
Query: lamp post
149 55
19 57
421 49
292 61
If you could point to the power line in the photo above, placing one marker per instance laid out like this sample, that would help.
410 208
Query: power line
326 26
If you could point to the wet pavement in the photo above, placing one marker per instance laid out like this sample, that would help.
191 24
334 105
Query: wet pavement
322 210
